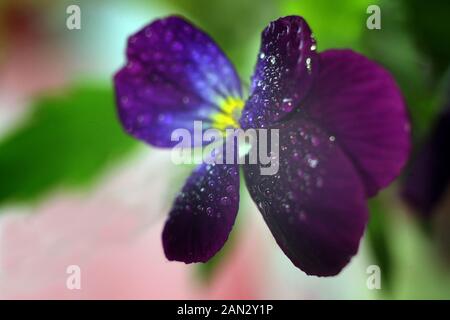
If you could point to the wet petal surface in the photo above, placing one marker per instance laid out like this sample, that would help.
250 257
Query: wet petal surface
315 205
203 214
286 67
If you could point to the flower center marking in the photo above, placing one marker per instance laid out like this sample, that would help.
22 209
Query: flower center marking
229 115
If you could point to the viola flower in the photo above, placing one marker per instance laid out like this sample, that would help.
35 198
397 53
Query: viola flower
343 135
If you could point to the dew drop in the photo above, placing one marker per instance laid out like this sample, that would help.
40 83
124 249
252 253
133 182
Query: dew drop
287 105
313 162
286 207
225 201
308 65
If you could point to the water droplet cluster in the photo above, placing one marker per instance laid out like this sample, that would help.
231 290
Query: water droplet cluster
212 191
304 151
284 72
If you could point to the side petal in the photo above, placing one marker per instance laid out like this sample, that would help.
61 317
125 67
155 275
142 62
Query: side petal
203 214
175 74
315 205
359 103
284 72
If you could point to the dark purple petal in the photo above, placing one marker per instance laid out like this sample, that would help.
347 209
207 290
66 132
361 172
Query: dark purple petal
359 103
203 214
284 72
428 177
175 74
315 205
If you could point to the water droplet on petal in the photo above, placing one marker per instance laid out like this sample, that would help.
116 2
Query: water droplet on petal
287 105
308 65
225 201
272 60
312 161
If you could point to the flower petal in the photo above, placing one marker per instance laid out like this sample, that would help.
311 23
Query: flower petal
428 178
175 74
359 103
284 72
315 205
203 214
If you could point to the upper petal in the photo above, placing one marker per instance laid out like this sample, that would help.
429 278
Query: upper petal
315 205
175 74
359 103
203 214
284 72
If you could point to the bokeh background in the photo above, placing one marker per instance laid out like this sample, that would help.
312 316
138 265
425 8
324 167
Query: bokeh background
75 190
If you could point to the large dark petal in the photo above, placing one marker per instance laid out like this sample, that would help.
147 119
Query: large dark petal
428 177
359 103
203 214
175 74
315 205
284 72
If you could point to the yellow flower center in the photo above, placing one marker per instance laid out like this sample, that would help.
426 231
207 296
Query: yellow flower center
229 115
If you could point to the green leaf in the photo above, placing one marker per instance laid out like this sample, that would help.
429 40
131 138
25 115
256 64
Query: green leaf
429 22
67 141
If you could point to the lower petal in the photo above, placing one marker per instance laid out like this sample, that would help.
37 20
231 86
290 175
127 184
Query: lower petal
203 214
315 205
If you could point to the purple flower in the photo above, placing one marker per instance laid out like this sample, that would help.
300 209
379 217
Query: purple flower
344 135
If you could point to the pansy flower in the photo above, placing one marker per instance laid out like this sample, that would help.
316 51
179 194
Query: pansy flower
343 135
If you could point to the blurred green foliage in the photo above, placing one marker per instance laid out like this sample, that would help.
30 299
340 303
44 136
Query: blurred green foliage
67 141
378 238
428 22
335 24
